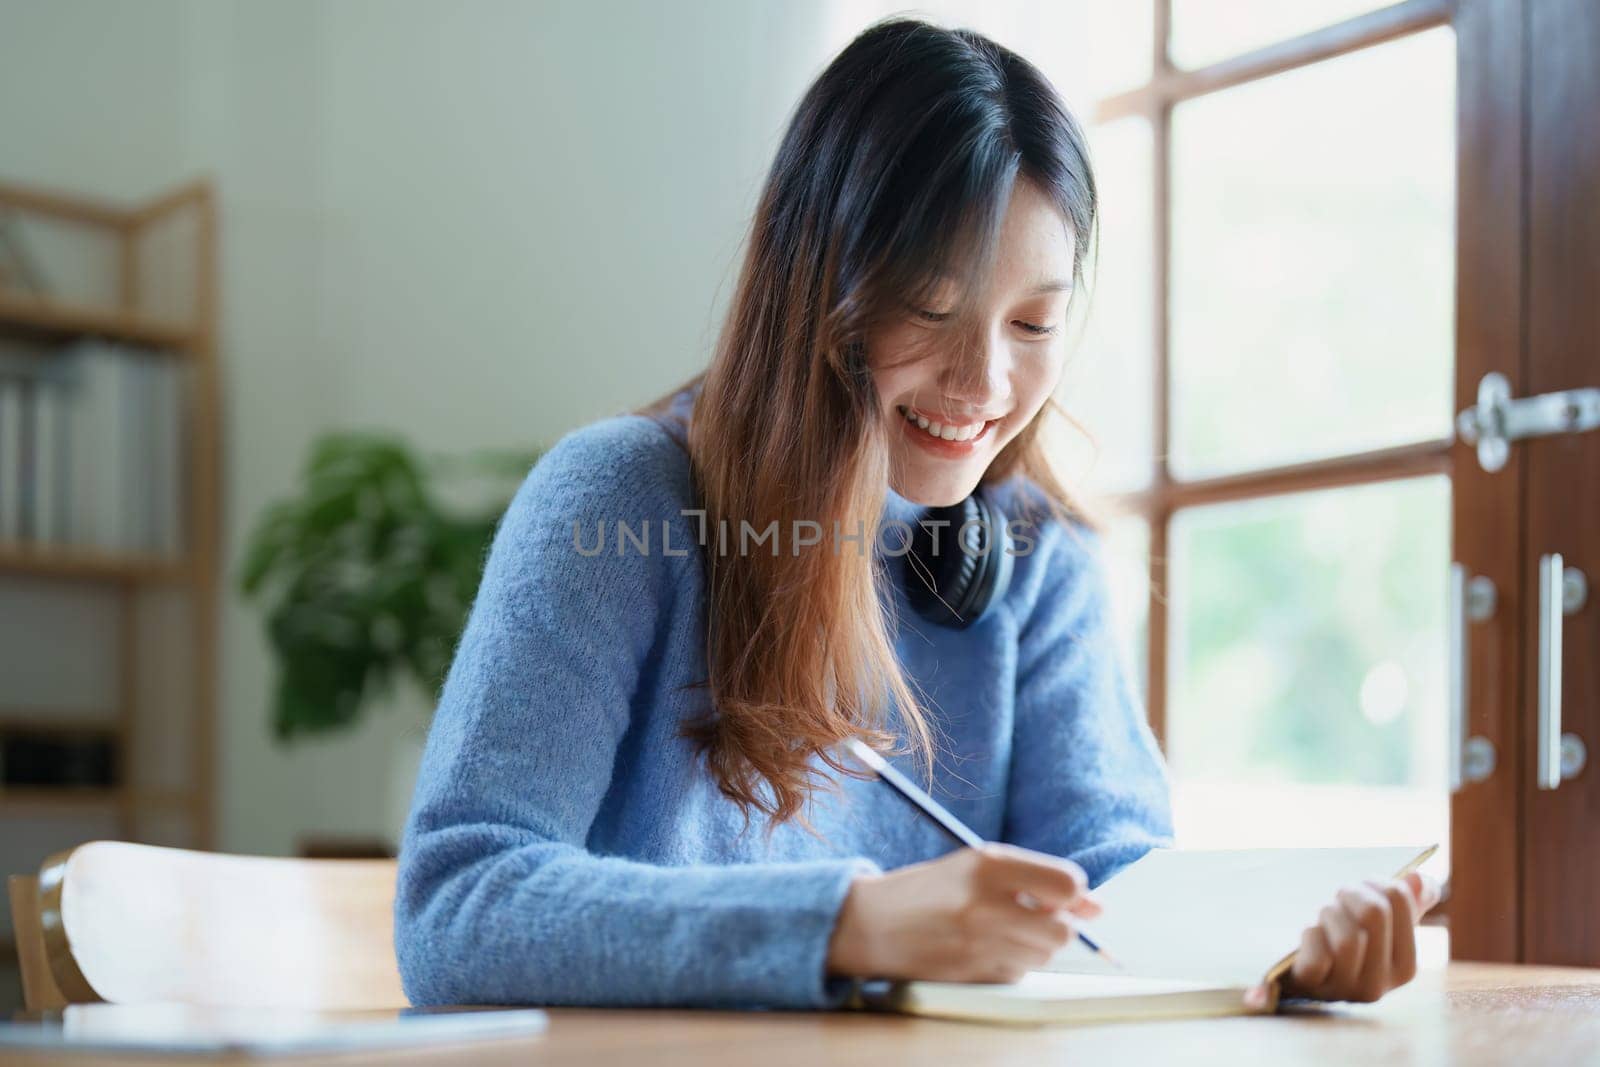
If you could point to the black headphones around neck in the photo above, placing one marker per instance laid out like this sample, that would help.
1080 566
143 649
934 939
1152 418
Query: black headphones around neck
959 562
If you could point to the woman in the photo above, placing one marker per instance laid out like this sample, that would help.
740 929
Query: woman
634 791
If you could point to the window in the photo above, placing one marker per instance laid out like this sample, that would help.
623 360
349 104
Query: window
1268 372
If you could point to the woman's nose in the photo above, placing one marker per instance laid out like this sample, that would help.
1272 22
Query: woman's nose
979 375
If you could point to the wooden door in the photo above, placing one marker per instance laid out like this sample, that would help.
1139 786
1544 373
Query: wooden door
1561 826
1526 834
1484 904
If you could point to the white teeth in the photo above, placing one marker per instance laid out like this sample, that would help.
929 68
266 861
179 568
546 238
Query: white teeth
944 433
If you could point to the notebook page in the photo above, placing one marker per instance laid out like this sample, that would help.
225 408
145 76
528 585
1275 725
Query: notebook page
1224 915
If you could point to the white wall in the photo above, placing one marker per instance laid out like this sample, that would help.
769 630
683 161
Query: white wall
477 223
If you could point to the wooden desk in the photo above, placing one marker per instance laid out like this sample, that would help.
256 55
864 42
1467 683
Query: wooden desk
1462 1014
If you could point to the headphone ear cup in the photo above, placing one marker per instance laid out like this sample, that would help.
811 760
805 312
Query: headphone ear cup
990 545
954 585
938 574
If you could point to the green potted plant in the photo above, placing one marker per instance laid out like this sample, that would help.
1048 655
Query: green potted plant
365 576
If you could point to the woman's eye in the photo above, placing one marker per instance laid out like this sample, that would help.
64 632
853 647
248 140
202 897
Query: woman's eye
1031 327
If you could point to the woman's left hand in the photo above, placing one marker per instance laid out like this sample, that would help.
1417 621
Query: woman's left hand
1363 944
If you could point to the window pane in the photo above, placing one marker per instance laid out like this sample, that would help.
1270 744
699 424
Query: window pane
1108 381
1204 31
1308 668
1116 54
1313 261
1127 546
1087 48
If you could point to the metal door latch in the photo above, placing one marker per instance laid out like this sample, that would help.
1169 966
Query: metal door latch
1498 419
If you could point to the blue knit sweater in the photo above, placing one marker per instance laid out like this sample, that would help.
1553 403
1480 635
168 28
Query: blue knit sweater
565 846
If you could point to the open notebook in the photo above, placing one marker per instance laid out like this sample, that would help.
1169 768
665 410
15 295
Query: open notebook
1193 929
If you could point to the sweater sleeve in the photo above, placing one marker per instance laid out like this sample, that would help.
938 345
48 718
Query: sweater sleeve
1087 780
498 901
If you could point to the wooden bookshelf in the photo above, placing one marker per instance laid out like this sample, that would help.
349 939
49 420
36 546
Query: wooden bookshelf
54 562
50 799
49 320
131 234
20 799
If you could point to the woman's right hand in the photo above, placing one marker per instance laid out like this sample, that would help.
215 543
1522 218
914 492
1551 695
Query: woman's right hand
988 914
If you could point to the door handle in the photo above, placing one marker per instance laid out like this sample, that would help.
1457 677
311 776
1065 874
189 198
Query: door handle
1472 600
1562 591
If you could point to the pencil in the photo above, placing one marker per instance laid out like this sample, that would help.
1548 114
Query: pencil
941 815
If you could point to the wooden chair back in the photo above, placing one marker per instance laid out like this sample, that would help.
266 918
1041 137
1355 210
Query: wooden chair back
130 924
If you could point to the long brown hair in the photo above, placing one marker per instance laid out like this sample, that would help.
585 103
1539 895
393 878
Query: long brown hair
894 173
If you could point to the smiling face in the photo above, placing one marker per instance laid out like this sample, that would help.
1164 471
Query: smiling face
951 412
